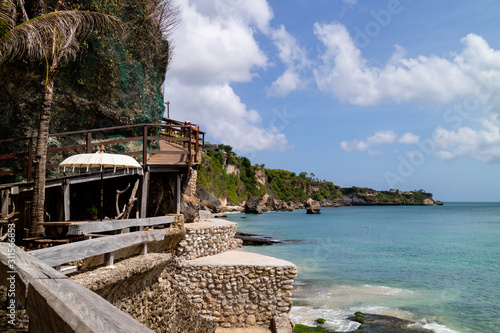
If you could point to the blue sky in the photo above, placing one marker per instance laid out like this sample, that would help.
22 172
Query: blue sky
384 94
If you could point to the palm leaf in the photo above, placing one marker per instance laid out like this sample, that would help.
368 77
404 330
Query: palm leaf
54 35
6 20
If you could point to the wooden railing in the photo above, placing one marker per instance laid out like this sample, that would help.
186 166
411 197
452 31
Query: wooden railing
55 303
184 133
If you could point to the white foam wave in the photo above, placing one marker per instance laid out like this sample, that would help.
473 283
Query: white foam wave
438 328
335 319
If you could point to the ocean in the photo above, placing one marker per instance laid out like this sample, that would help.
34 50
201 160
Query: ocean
436 265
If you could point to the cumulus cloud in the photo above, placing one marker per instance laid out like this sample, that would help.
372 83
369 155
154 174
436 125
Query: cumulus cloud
379 138
480 144
295 59
214 47
423 80
409 138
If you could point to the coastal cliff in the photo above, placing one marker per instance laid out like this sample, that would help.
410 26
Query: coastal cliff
227 182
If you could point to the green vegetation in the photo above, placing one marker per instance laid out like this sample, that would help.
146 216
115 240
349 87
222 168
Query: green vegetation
225 174
392 196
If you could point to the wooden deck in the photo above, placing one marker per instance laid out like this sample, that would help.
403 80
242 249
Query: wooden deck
173 154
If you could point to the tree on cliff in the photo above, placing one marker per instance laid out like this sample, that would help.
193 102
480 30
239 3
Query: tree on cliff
53 39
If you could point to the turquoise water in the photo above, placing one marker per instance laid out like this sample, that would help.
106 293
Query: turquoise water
437 265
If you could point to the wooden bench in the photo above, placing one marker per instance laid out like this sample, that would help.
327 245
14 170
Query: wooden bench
55 303
58 255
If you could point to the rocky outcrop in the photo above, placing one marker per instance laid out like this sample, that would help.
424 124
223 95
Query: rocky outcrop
252 206
312 206
371 323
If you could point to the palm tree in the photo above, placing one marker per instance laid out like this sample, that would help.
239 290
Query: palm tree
52 38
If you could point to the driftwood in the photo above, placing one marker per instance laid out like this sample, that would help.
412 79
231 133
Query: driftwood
5 220
118 193
128 207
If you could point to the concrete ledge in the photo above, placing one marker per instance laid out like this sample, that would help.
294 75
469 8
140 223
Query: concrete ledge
209 223
239 258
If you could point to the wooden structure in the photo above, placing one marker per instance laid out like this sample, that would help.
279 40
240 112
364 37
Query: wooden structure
171 147
55 303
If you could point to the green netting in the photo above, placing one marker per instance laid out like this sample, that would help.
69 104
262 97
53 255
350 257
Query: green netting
112 82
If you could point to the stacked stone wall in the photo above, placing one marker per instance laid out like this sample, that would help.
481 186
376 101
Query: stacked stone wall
143 287
239 296
206 239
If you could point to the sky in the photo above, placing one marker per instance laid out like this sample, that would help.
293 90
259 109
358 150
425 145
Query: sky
389 94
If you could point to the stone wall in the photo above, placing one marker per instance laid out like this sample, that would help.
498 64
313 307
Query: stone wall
207 238
239 295
143 287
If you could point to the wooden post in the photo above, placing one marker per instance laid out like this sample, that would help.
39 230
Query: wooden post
109 258
30 160
5 202
144 249
144 193
66 199
145 148
89 142
178 195
189 150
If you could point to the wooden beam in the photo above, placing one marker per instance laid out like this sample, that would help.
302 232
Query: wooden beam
65 306
87 227
25 268
62 254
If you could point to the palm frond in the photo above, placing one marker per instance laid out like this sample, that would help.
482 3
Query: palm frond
54 35
6 17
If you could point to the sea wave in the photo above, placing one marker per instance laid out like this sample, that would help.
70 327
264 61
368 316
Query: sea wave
335 319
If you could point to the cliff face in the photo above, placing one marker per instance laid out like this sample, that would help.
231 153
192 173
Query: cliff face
112 82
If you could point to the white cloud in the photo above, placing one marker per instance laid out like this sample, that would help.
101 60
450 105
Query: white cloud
295 59
468 76
350 2
482 145
289 81
423 80
379 138
409 138
214 47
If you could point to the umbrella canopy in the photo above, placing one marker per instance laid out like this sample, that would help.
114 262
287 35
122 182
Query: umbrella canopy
100 160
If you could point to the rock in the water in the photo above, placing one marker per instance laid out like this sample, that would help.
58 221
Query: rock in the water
252 206
371 323
312 206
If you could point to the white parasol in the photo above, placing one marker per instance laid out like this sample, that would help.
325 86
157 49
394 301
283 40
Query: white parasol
101 160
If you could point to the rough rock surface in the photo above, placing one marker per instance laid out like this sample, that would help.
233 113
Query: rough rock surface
312 206
252 206
371 323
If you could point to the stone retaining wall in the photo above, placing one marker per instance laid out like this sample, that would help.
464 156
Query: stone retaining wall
207 238
143 287
239 295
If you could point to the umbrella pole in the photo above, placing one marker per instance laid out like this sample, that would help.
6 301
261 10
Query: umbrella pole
102 197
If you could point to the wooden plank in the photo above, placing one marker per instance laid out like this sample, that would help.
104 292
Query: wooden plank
58 255
65 306
83 228
24 267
